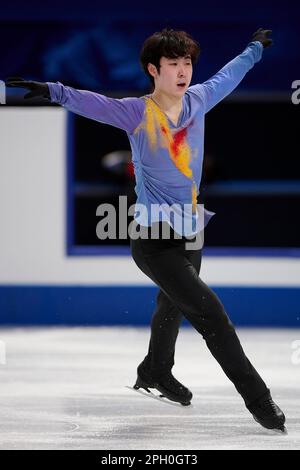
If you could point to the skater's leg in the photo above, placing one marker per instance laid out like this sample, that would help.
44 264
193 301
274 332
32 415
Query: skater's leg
165 325
173 272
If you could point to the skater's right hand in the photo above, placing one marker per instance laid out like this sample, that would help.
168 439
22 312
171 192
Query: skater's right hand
36 88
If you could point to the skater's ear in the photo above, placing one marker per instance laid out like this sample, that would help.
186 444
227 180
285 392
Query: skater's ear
152 70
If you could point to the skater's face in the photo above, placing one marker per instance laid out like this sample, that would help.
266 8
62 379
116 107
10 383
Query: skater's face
174 75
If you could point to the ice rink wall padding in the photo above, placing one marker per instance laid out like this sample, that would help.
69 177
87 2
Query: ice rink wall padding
129 305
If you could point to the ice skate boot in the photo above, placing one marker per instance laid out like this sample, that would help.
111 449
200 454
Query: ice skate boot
167 385
268 414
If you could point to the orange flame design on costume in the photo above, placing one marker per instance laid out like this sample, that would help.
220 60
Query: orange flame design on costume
157 127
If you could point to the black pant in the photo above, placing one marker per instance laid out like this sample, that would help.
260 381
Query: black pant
175 270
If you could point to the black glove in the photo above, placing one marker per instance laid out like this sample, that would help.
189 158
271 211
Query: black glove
36 88
261 35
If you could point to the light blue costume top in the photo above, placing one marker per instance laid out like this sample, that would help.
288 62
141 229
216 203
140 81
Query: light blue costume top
167 158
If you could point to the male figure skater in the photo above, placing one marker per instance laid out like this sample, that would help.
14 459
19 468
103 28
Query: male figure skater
166 133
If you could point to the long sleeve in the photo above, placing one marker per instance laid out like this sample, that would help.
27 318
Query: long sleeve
227 79
125 113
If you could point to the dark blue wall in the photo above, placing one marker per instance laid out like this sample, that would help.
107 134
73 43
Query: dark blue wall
95 45
132 305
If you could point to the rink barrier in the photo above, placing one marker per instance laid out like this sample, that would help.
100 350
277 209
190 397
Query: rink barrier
133 305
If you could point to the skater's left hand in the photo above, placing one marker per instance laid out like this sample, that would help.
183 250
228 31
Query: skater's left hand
261 35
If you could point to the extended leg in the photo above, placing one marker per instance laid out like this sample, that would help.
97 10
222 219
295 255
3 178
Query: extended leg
174 273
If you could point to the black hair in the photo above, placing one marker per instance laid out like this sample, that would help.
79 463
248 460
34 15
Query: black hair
167 43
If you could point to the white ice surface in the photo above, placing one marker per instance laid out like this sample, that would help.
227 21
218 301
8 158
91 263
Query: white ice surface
64 388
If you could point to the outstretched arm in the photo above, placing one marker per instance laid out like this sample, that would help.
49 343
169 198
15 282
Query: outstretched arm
227 79
125 113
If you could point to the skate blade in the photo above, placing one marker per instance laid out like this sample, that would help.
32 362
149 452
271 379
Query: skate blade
281 431
161 398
